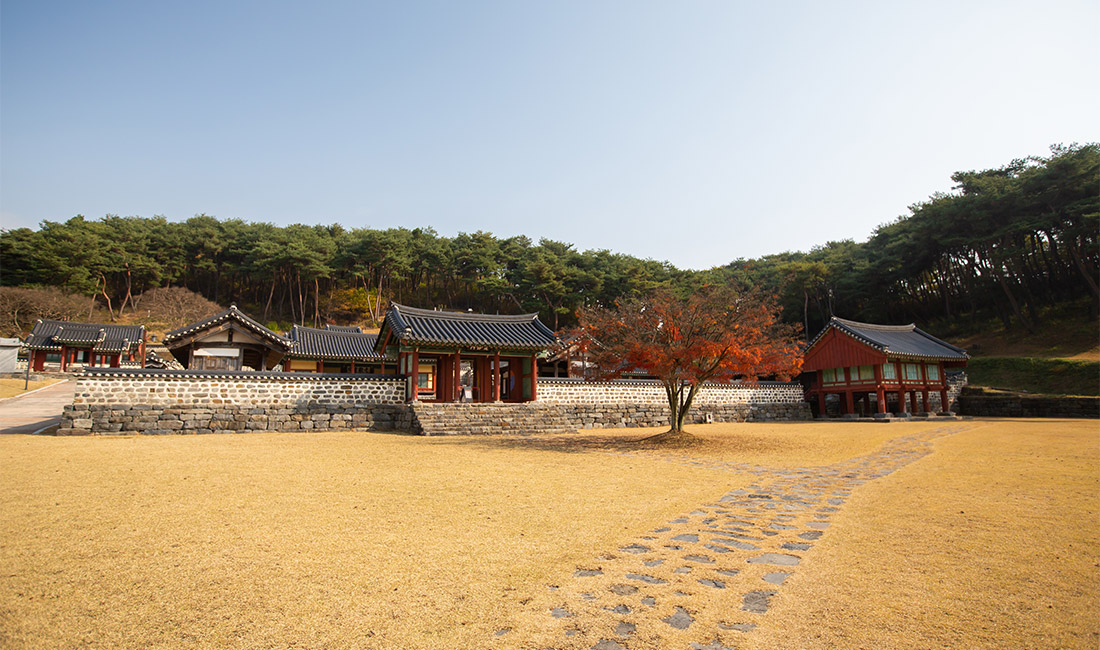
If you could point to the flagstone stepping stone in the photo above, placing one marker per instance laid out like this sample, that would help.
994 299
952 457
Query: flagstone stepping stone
683 569
673 547
681 520
817 524
717 584
686 538
717 549
810 534
649 601
794 546
740 627
623 590
646 579
770 533
588 595
624 628
775 526
607 644
571 632
827 509
744 546
703 559
760 496
653 562
680 619
776 577
736 535
713 645
661 530
618 609
729 572
587 573
636 548
757 601
560 612
775 558
697 513
681 594
502 631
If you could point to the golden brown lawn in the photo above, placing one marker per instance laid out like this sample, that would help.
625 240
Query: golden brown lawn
13 387
990 542
360 540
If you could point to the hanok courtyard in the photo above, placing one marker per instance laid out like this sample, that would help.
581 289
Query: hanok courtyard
763 535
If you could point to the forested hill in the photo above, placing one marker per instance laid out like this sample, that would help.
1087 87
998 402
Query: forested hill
1006 242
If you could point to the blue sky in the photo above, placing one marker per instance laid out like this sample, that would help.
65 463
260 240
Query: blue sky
693 132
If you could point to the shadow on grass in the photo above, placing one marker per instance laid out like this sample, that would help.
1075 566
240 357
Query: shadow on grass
583 442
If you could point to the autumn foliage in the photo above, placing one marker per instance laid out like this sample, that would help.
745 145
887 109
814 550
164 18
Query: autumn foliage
716 334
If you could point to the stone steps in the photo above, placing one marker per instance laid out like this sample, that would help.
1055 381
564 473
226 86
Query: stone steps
490 419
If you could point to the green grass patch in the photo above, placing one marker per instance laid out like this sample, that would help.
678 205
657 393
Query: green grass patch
1044 376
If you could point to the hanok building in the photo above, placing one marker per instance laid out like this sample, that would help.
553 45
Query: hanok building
334 349
228 340
859 360
89 344
453 356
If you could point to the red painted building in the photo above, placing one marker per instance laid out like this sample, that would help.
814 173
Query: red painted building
869 366
87 344
456 356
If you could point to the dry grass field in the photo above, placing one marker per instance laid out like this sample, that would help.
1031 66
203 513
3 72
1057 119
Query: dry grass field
13 387
363 540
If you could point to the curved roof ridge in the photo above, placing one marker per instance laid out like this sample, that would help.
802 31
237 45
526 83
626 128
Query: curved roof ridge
434 313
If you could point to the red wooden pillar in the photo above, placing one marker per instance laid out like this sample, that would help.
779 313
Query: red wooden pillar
456 393
320 366
821 403
880 397
414 372
496 376
38 357
913 400
849 404
924 399
901 401
534 378
945 406
64 358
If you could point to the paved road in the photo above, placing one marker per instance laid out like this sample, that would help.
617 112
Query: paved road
36 411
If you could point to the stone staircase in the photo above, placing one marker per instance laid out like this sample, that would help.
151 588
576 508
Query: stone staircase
490 419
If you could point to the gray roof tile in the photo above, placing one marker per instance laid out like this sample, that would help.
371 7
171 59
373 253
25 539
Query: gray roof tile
895 340
467 330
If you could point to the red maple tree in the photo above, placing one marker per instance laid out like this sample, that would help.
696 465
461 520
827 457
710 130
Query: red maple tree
716 334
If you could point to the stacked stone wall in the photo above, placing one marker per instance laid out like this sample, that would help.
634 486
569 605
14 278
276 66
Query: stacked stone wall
160 402
976 402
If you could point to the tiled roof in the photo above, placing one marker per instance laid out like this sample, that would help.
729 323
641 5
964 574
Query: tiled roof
232 314
344 328
466 330
895 340
331 343
52 334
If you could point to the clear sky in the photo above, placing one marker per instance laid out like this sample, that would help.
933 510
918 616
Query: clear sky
696 132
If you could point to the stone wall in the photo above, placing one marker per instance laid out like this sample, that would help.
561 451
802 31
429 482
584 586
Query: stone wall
648 391
127 401
175 401
977 402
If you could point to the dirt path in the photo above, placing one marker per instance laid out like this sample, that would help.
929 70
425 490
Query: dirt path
37 410
705 579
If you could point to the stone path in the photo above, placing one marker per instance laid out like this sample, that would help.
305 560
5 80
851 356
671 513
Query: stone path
713 571
32 412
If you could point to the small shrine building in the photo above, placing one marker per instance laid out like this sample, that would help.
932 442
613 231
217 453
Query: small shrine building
861 361
455 356
89 344
228 340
